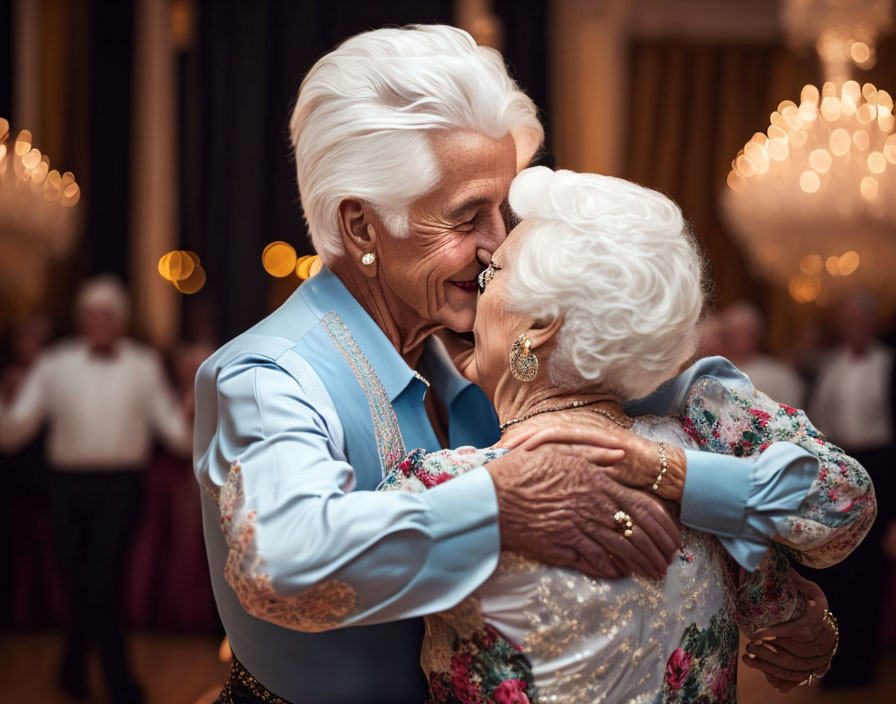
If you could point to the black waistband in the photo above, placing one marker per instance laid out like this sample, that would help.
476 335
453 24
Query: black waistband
243 688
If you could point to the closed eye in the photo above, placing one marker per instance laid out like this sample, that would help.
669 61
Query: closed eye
487 275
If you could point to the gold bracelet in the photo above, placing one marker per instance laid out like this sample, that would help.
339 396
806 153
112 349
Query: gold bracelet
831 620
664 466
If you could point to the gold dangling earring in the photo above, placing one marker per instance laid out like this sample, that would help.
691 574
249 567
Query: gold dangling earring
523 362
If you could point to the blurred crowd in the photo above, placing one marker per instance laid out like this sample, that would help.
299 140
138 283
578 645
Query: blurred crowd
104 529
104 532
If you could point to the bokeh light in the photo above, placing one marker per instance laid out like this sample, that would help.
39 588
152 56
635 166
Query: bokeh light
183 269
279 259
848 263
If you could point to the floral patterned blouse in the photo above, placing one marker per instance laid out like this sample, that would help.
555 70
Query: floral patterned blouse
537 633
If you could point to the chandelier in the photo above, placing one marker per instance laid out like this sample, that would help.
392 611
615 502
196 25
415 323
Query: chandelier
37 221
813 199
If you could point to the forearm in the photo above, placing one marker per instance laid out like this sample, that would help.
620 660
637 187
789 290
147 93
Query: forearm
317 561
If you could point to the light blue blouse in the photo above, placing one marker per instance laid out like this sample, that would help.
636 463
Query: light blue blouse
286 450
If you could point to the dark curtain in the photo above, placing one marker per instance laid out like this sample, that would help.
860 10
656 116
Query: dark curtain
241 81
110 30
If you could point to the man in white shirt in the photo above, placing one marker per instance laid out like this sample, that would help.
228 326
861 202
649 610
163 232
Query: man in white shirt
102 397
853 405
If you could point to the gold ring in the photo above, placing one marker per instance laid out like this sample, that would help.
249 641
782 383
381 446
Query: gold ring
624 521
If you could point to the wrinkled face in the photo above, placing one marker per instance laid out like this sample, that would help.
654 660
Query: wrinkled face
453 230
496 327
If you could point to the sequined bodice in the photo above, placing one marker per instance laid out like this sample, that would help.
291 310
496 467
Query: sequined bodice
610 640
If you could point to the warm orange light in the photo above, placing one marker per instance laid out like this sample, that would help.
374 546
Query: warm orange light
31 159
315 267
804 289
71 194
869 187
877 162
194 282
809 182
811 264
832 264
176 266
830 109
778 149
809 94
279 259
798 138
735 181
849 262
861 139
866 113
820 160
303 270
808 111
840 141
890 149
23 143
860 52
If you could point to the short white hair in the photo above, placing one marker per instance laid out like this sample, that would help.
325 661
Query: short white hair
103 291
359 127
618 261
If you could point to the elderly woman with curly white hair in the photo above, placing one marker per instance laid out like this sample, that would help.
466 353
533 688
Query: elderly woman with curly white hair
590 302
406 142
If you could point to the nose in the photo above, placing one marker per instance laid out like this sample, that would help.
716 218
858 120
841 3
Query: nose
490 238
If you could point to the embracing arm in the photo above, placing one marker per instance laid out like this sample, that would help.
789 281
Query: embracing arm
781 480
820 526
307 552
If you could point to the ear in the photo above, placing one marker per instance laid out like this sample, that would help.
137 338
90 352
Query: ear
543 332
359 228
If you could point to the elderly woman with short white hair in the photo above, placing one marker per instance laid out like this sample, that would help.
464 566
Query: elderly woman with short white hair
592 301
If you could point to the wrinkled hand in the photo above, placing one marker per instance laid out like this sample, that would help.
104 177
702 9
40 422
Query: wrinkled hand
556 506
789 652
638 469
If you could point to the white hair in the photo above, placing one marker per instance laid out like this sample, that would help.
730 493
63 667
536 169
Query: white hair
359 128
617 260
103 291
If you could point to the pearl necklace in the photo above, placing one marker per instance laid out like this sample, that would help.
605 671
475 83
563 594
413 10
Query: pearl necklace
567 407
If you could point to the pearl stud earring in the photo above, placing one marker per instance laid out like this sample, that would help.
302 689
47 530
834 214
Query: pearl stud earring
368 259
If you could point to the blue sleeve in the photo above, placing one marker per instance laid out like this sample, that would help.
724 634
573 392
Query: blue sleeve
744 501
308 552
671 396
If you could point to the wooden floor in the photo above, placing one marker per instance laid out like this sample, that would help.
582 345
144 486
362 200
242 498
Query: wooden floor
180 670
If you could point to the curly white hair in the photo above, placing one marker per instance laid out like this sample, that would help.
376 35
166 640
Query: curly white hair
617 260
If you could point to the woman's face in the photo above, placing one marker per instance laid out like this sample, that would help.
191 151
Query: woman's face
496 327
453 230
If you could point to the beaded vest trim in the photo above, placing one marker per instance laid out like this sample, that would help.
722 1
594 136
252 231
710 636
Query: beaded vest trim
390 444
